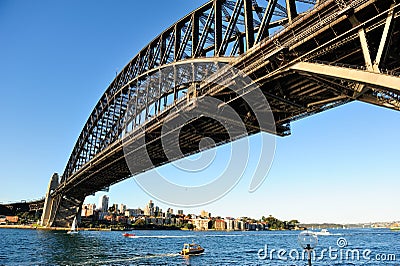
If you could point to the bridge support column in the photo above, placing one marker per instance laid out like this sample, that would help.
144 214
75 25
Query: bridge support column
49 202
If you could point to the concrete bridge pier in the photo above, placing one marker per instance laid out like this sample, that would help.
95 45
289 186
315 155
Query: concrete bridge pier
60 210
49 208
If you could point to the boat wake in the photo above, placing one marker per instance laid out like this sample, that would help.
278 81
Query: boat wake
226 235
163 236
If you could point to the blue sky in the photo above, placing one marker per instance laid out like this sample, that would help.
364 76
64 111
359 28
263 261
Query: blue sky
58 57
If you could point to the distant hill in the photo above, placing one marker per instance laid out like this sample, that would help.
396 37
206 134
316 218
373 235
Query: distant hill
321 226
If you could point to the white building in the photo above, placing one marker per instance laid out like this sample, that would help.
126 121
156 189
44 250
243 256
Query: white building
200 224
230 224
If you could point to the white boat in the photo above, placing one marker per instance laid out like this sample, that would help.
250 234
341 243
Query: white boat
323 232
74 227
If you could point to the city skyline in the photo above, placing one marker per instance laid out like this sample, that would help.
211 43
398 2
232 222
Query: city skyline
338 166
151 209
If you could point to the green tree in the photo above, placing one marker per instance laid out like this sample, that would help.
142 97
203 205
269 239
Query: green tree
189 226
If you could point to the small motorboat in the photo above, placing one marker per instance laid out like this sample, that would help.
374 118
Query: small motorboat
191 249
128 235
323 232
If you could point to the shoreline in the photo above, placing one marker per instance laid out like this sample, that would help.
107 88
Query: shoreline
34 227
37 227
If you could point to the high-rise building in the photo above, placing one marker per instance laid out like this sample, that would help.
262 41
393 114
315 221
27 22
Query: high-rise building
122 208
103 204
149 209
114 208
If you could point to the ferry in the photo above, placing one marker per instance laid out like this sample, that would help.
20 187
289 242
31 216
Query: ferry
191 249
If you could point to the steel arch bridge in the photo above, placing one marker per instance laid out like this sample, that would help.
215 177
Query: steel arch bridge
306 56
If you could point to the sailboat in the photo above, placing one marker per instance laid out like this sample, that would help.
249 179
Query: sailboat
74 227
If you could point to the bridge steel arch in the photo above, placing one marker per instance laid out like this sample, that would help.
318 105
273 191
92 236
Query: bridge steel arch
306 56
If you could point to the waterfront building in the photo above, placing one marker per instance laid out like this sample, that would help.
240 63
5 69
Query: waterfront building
88 210
219 224
180 212
200 223
230 224
238 225
251 226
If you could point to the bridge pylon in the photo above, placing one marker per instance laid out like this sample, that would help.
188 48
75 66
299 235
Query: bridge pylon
59 208
49 202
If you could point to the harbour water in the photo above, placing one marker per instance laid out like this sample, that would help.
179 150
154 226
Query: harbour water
39 247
